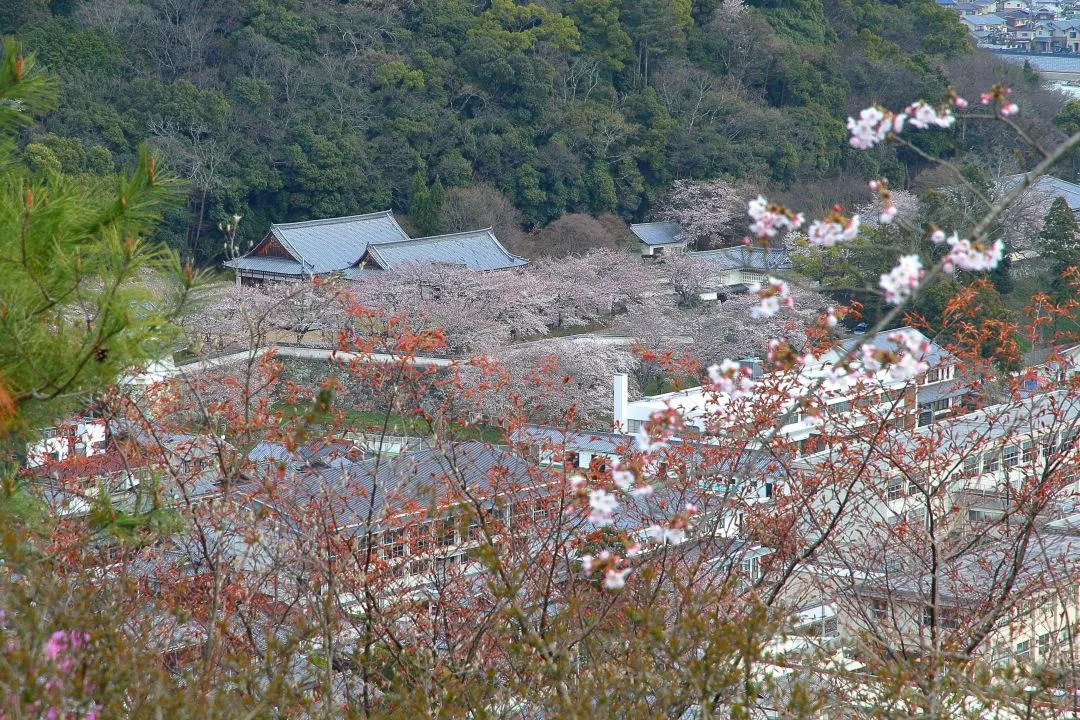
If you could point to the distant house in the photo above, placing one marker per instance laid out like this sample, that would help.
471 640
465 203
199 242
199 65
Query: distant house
741 266
349 245
655 238
988 23
1052 35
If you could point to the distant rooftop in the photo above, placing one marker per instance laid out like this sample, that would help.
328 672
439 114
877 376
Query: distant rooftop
740 257
317 247
476 250
1052 186
657 233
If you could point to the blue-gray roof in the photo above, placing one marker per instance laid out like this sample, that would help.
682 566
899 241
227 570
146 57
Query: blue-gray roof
1054 187
268 265
980 20
739 257
476 250
658 233
325 246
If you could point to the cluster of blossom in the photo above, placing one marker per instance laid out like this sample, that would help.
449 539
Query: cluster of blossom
610 565
902 281
61 650
770 218
1000 95
967 255
675 532
874 124
922 116
773 294
602 506
732 379
888 210
903 365
626 480
835 228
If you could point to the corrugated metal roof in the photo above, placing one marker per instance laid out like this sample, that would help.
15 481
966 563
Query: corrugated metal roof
476 250
739 257
657 233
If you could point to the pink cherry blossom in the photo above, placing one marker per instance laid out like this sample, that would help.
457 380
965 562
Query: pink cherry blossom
972 256
1008 109
835 228
731 378
872 127
773 294
615 579
666 535
602 505
770 218
922 116
900 282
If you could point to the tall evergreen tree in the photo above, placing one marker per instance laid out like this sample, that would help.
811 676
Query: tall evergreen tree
1059 241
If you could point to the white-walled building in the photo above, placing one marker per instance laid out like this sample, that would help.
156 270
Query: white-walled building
656 238
81 437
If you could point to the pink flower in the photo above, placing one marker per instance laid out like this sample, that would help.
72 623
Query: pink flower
888 214
960 102
974 257
872 127
900 282
615 579
602 505
1009 108
666 535
835 228
770 218
774 294
986 98
922 116
731 378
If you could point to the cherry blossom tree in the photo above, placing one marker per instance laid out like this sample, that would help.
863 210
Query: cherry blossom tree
704 210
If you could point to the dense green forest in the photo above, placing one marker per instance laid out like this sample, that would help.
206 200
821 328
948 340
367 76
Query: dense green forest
287 109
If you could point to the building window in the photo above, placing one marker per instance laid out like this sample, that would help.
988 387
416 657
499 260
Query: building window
947 617
992 461
878 609
1028 452
971 466
1023 648
1011 456
1044 644
895 488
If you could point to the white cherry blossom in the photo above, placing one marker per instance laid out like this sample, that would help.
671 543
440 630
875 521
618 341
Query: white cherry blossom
900 282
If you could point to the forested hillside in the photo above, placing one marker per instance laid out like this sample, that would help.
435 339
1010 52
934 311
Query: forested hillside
281 110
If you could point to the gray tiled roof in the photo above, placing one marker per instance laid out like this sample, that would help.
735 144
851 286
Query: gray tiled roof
329 245
476 250
1054 187
270 265
657 233
739 257
404 483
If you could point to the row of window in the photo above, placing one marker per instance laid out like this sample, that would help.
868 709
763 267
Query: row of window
1011 456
